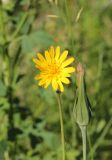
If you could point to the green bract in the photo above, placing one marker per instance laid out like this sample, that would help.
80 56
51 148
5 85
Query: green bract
82 105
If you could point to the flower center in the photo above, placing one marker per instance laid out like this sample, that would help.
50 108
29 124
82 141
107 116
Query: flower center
54 70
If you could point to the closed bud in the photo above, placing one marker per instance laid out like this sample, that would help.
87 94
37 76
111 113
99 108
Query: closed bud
82 106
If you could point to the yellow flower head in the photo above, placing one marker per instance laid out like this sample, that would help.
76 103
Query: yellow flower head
54 68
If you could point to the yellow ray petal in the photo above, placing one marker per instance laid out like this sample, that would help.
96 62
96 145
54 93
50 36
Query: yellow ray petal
63 56
47 56
54 84
42 82
66 75
38 76
47 83
35 60
65 80
41 76
51 51
41 67
67 62
60 86
68 70
57 53
41 57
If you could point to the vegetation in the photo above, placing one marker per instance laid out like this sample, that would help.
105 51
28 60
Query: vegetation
29 116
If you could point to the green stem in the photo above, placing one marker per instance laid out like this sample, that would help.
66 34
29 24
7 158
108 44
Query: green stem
2 24
20 25
62 126
83 131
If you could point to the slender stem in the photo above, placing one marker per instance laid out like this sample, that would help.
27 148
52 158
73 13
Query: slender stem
62 126
83 131
2 24
20 25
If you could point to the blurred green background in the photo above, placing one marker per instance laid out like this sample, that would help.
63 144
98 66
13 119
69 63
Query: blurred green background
29 119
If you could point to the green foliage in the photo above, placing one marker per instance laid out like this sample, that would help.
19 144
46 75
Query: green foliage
36 41
2 89
29 119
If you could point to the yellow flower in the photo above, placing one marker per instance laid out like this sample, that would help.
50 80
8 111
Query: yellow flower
53 68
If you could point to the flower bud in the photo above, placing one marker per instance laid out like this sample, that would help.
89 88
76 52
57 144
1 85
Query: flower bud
82 106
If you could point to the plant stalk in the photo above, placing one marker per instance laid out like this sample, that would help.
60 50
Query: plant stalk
61 125
83 131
